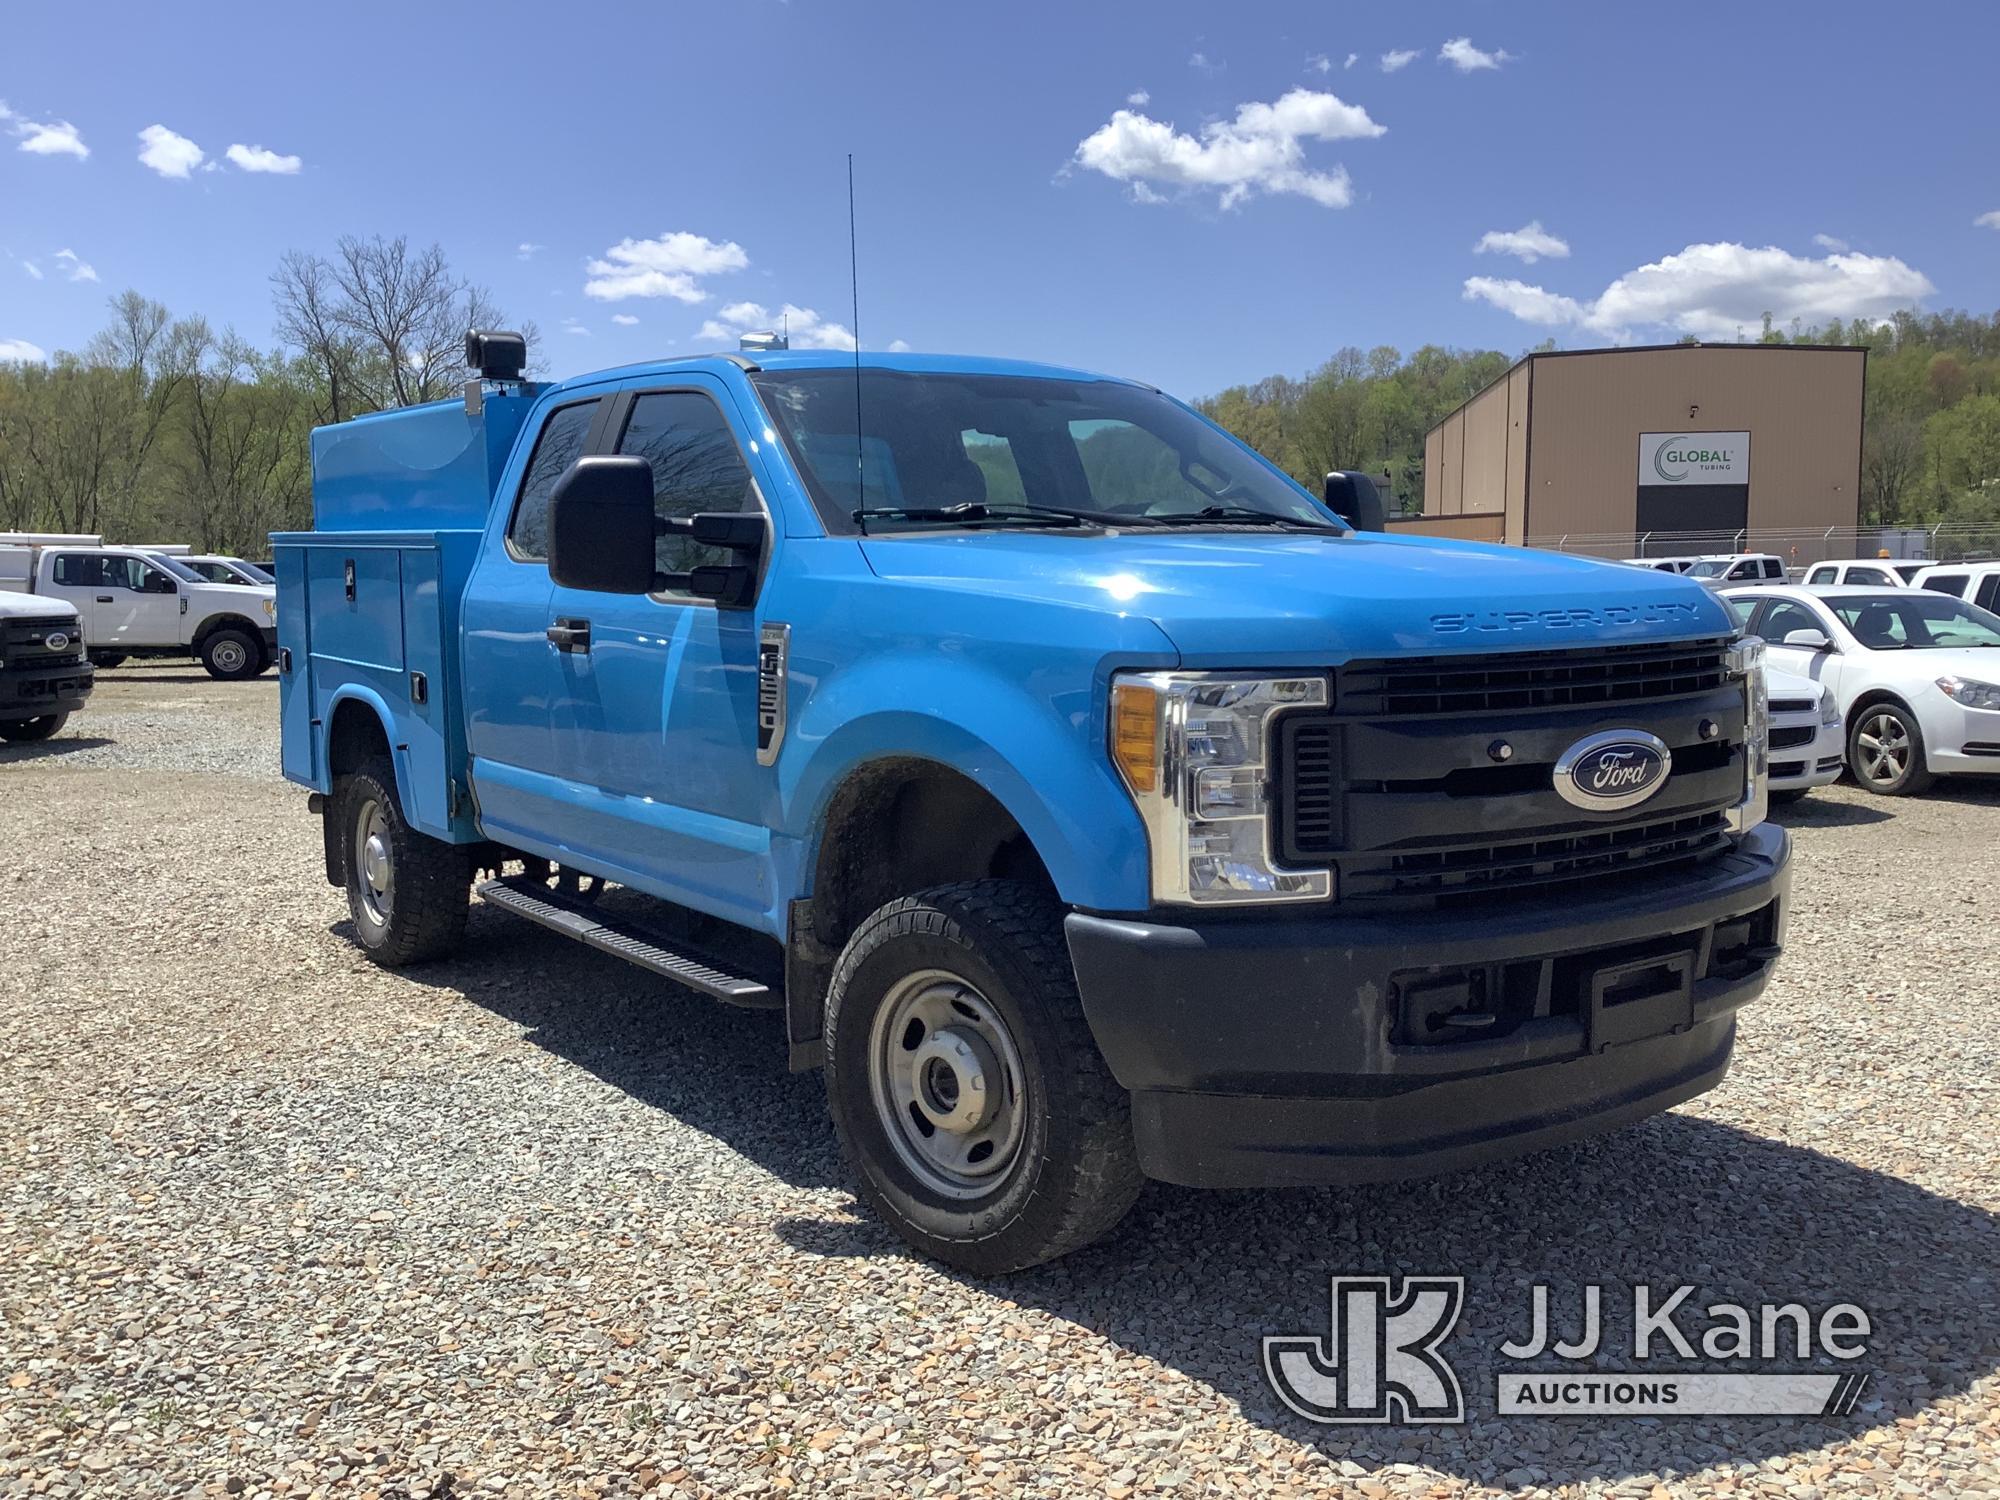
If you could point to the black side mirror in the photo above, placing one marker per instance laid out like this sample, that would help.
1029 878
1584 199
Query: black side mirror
731 585
1352 496
601 525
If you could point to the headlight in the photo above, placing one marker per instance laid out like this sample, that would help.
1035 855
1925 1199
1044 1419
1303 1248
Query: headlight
270 609
1967 693
1745 663
1191 748
1829 707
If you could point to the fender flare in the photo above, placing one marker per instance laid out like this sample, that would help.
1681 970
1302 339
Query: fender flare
374 703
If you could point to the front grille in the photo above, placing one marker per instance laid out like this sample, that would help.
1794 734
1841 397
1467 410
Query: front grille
1793 706
1528 680
1308 791
1488 868
1793 736
25 639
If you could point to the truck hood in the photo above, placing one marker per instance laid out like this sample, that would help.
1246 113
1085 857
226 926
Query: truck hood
15 606
1293 598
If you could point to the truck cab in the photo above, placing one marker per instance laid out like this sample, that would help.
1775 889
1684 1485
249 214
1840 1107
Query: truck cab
1092 801
137 601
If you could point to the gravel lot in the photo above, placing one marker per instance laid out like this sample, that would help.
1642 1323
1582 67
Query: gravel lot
273 1221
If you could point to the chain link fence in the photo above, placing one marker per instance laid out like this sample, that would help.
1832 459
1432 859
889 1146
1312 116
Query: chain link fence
1799 549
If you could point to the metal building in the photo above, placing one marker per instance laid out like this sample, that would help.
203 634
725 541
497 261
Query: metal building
1609 447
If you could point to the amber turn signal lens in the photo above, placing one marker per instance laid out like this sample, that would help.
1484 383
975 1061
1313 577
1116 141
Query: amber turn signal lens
1134 720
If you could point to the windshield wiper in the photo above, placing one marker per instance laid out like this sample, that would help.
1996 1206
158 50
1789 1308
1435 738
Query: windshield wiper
1239 513
978 513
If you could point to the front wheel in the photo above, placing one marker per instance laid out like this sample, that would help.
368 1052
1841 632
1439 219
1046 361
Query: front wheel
231 655
406 891
1885 751
107 659
27 731
967 1090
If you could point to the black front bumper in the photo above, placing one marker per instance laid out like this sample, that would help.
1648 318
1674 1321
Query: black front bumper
30 692
1289 1048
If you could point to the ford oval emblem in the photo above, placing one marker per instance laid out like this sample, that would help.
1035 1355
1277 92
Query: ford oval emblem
1619 768
55 640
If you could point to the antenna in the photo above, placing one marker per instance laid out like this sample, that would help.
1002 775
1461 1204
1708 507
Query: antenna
854 291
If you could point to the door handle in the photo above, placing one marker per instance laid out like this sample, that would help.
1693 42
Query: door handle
570 635
105 599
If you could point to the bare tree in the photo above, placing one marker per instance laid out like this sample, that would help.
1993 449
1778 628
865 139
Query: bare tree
307 299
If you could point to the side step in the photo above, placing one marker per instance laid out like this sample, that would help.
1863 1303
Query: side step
607 934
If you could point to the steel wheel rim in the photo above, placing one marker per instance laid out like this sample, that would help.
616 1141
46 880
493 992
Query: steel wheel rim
1883 743
374 866
946 1079
230 656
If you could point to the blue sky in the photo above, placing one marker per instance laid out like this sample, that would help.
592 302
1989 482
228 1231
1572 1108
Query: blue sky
1193 194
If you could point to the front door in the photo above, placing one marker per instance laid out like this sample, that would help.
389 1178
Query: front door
655 711
1783 616
138 605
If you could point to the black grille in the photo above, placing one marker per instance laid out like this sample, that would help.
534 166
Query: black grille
1793 705
26 639
1508 867
1528 680
1792 737
1308 789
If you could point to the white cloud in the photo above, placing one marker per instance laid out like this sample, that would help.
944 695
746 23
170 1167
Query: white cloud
897 346
44 137
528 250
1465 57
1828 242
74 267
625 320
1138 97
1352 59
1260 150
1319 62
570 325
805 327
1530 242
1401 58
32 269
1715 291
1201 63
168 154
670 266
257 159
21 352
1988 221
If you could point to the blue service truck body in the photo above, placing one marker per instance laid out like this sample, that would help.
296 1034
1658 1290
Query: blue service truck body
1275 851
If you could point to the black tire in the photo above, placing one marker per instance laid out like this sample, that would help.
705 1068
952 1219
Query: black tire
231 655
1071 1171
28 731
408 894
1885 750
108 659
1788 797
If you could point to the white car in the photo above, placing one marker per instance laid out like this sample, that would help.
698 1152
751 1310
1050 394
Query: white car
1808 737
1874 572
1979 582
1916 674
231 570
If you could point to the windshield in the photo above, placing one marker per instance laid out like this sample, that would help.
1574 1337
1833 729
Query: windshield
252 572
943 449
1713 569
1910 621
176 567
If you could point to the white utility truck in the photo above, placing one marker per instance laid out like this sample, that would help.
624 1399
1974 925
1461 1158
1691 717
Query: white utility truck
136 601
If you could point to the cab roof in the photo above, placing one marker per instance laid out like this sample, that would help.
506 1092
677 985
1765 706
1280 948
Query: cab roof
785 360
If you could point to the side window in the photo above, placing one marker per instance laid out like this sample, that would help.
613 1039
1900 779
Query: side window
1870 576
559 446
1948 583
79 570
1785 617
124 573
1773 568
1989 589
1823 575
696 467
1743 609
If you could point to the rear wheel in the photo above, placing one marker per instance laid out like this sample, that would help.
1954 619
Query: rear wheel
232 655
1885 750
406 891
967 1090
27 731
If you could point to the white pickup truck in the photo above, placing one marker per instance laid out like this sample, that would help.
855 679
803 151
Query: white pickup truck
44 676
138 602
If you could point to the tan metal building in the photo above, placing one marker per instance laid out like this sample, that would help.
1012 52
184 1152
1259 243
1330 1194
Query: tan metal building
1674 438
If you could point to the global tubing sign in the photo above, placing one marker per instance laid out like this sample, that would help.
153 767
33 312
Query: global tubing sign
1694 458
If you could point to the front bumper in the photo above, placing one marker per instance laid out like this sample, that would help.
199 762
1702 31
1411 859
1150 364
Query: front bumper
1816 763
1290 1049
29 692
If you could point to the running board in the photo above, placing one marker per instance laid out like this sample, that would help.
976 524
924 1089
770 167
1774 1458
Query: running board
579 920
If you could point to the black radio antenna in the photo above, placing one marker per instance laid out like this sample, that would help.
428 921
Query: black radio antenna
854 293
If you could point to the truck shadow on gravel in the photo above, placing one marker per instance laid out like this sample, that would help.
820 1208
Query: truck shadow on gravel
1194 1280
55 749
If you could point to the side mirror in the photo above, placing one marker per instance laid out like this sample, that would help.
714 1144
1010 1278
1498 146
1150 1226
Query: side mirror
731 585
601 525
1352 496
1811 640
158 583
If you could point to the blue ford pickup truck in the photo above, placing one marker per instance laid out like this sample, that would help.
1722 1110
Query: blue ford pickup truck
1093 802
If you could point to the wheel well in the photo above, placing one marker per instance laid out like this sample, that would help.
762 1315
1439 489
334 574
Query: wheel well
1874 696
354 738
896 826
225 622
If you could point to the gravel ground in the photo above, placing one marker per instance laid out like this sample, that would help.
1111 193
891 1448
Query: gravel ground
275 1222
